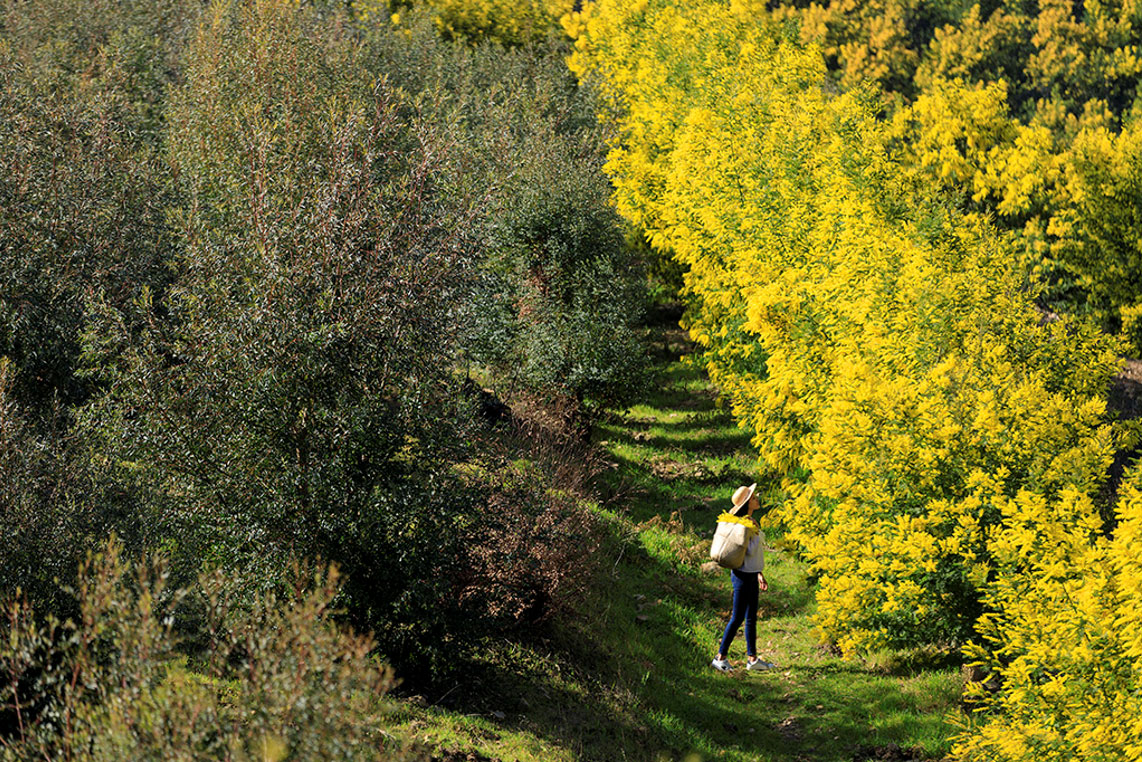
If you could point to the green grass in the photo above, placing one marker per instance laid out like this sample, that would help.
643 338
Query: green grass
626 676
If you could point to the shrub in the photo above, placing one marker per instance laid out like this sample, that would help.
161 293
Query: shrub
83 194
557 293
245 271
529 557
83 197
278 678
529 550
292 392
1054 158
38 532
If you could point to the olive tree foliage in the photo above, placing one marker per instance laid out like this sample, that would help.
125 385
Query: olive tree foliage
556 250
291 394
558 292
38 510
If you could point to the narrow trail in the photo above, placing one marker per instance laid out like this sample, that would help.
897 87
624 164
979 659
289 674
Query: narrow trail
627 676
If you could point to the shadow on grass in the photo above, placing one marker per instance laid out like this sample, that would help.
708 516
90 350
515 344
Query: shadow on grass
642 494
698 441
667 465
643 689
680 387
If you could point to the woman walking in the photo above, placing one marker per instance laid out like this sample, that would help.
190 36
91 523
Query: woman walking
749 581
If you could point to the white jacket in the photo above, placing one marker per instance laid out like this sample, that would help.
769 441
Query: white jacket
754 555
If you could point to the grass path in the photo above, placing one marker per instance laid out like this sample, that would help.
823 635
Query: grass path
628 676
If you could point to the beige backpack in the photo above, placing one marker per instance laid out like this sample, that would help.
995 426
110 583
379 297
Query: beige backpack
731 538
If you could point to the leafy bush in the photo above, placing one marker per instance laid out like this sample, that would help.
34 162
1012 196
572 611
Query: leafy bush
44 520
528 558
292 392
530 547
882 42
246 253
83 198
278 679
557 293
82 190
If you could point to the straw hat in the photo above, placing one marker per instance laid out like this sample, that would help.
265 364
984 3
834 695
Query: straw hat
741 497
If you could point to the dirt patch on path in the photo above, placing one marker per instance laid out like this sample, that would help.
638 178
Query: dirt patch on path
456 755
889 753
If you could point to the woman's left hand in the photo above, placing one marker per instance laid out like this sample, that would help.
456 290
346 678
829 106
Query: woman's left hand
762 585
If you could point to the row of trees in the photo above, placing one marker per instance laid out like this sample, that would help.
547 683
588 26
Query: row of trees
945 444
251 254
1026 112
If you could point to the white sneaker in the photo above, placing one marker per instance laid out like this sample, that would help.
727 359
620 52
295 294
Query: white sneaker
722 664
759 664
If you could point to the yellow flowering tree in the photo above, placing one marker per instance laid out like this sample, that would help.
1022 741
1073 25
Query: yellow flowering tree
1072 198
1099 226
506 21
878 40
885 349
1016 111
1064 635
943 441
1050 51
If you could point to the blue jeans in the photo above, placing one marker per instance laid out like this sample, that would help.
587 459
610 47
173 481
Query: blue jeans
745 610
